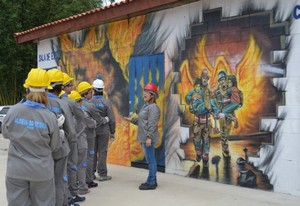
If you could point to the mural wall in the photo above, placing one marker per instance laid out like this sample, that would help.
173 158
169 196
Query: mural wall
228 87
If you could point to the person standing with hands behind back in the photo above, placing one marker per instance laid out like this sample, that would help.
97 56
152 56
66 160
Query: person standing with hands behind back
147 122
34 134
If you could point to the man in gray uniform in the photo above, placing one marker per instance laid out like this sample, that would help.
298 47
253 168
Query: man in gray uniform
85 89
77 115
82 142
63 172
33 133
103 132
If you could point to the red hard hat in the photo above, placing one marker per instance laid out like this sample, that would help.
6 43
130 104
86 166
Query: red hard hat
151 87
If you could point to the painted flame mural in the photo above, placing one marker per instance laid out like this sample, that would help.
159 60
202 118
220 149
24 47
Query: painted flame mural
236 49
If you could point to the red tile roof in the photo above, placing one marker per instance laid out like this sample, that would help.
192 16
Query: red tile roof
117 11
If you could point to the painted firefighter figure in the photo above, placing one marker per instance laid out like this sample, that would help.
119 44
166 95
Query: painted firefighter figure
202 105
229 98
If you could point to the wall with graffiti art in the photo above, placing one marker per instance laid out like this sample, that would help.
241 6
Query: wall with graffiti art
228 79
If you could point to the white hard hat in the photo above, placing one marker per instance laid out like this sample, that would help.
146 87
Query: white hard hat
98 84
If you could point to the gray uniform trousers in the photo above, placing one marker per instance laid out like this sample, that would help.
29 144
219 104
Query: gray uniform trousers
90 133
90 159
72 112
30 193
101 147
81 175
72 168
60 173
61 157
61 181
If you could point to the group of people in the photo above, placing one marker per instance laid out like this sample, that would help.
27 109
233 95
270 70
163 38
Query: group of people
59 139
219 105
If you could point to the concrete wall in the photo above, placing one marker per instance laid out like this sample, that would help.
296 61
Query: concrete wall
255 41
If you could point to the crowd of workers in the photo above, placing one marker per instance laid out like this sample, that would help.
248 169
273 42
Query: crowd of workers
58 140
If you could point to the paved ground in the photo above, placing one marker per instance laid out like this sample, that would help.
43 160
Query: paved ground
173 190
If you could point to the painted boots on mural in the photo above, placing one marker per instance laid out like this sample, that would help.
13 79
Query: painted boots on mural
194 171
225 147
225 151
205 160
205 169
226 154
234 120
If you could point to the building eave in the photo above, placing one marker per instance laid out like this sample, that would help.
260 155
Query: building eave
114 12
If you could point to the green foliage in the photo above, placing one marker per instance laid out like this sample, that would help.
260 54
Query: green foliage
20 15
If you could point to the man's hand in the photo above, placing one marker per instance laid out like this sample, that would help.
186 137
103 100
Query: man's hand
148 142
127 119
112 137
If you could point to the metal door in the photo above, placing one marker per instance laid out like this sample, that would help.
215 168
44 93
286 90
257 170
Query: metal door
142 70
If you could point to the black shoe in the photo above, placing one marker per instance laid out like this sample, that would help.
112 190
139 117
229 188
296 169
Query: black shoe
72 203
147 183
146 186
92 184
78 198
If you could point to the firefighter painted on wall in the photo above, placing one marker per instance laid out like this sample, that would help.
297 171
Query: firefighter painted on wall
222 95
202 105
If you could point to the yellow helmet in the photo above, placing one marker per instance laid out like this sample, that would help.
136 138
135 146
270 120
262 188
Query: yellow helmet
83 86
61 93
25 85
55 76
37 77
74 95
66 78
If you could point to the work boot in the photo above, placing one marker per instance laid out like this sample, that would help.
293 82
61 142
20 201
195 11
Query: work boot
83 192
78 198
104 178
72 203
92 184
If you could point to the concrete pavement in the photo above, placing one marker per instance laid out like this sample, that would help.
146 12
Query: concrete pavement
173 190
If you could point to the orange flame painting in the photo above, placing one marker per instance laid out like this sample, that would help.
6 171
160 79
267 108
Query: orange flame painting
250 81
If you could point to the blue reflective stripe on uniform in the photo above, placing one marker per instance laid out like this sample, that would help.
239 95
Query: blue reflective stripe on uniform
91 152
65 178
99 105
74 167
84 164
54 109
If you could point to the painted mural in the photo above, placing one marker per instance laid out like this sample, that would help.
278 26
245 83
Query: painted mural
222 69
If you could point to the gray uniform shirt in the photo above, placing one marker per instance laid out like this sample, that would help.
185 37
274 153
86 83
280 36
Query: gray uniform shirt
76 111
148 123
34 135
57 106
94 113
105 109
81 125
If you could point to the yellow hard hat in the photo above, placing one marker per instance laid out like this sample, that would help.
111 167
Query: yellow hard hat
74 95
83 86
25 85
55 76
61 93
66 78
37 77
